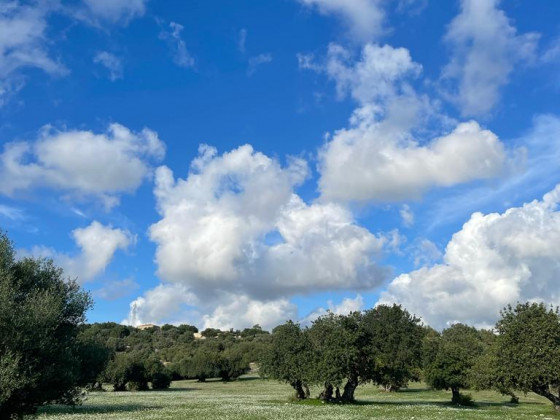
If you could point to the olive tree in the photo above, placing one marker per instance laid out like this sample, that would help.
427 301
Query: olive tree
456 352
528 356
40 312
396 345
289 358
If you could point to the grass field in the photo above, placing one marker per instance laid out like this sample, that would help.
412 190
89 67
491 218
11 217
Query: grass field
254 398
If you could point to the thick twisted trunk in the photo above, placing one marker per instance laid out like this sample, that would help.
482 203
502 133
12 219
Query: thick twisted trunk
327 393
544 391
349 388
298 386
456 395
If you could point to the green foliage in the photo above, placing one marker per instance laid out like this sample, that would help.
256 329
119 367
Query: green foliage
289 357
40 312
396 343
458 348
528 349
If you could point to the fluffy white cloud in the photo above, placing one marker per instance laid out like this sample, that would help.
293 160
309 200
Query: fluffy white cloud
346 306
494 260
379 74
364 18
234 233
240 312
164 303
111 62
389 152
380 162
115 11
235 223
97 243
485 47
81 162
23 44
181 55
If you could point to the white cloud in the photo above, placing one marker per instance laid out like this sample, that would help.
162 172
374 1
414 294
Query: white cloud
377 161
164 303
23 44
234 233
11 213
116 11
181 55
494 260
97 243
111 62
379 74
242 227
81 162
257 61
407 215
345 307
364 18
241 312
485 48
425 252
398 144
552 53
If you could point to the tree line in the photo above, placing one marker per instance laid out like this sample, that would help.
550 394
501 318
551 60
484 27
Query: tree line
48 354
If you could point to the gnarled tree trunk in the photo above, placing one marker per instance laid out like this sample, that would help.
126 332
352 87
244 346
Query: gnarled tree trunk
327 393
544 391
456 395
349 388
298 386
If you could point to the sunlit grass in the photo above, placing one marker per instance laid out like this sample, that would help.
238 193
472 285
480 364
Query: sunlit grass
254 398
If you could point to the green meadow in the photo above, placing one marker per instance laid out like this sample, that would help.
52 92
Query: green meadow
254 398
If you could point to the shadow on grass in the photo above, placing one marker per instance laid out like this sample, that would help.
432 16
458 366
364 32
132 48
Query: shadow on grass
249 378
178 389
56 410
440 404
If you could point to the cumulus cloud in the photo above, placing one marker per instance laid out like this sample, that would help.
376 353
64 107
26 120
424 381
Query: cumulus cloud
239 312
81 162
164 303
364 18
23 44
380 72
346 306
181 55
484 50
235 227
379 162
111 62
389 153
242 227
494 260
98 244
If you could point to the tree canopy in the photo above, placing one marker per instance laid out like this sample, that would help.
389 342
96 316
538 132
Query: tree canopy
528 356
40 311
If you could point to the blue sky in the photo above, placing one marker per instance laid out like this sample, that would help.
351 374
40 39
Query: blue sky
229 163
